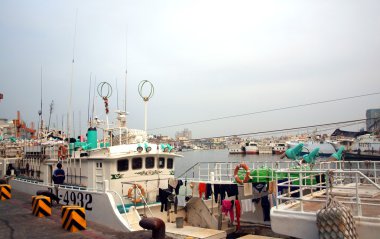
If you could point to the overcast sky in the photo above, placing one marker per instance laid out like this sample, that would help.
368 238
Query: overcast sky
206 59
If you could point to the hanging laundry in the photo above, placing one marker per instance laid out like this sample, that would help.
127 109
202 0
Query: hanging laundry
202 189
227 207
266 208
172 199
259 186
194 188
232 190
246 205
238 213
208 190
217 192
163 195
248 189
178 184
173 182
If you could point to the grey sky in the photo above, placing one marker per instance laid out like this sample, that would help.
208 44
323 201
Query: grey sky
206 59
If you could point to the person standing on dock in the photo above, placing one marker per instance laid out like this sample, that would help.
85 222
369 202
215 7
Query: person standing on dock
59 174
58 177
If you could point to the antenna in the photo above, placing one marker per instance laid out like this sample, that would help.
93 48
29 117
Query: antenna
80 125
126 71
117 95
50 111
72 76
146 98
89 99
93 103
40 111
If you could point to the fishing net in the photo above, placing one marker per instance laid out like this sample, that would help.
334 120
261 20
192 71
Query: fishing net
335 220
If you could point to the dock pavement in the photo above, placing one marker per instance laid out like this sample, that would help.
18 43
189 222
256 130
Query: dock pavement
18 222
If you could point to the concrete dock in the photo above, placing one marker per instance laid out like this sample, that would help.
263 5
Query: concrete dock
17 221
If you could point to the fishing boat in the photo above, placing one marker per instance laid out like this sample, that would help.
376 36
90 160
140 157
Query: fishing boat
279 148
252 148
354 184
236 148
119 178
364 147
325 147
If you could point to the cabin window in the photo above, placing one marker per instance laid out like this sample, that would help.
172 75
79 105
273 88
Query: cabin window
149 162
161 163
122 165
136 163
170 163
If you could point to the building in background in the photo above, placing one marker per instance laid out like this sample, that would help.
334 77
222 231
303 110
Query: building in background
185 134
373 120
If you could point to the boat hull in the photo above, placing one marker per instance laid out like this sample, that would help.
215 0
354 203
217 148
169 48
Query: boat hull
361 157
100 206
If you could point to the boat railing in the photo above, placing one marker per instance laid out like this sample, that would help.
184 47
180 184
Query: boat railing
301 189
138 192
224 171
122 203
370 168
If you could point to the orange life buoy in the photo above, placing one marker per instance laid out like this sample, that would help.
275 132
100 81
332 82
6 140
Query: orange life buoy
137 199
246 178
62 152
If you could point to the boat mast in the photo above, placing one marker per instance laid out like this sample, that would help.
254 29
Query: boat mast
125 90
40 112
71 81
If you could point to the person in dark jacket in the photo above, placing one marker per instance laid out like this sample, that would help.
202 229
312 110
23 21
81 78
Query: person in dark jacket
59 175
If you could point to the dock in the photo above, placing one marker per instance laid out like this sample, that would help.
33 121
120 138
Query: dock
17 221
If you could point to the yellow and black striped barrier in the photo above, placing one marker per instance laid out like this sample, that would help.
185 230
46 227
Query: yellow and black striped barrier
73 218
5 192
41 206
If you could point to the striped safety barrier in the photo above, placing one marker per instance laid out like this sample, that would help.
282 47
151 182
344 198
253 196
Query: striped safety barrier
73 218
41 206
5 192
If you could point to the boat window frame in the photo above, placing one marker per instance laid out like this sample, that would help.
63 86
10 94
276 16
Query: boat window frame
153 161
171 164
122 160
140 164
159 162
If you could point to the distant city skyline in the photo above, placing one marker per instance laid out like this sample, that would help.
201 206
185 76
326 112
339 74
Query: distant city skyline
206 60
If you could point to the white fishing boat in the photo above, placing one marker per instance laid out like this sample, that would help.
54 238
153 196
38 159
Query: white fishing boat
353 184
117 178
265 149
364 147
236 148
252 148
279 148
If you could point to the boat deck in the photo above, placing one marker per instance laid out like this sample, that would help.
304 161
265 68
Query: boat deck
368 194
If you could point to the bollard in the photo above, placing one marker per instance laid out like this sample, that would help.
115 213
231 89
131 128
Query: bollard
156 225
5 192
41 206
73 218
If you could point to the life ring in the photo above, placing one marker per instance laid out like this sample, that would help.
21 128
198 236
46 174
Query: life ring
138 199
62 152
247 173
